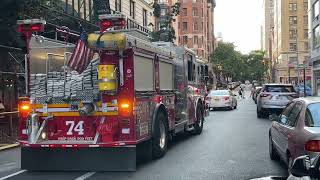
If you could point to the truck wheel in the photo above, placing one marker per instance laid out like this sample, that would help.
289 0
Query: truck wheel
160 137
198 126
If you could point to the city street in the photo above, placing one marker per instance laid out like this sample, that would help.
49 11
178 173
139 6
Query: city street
233 145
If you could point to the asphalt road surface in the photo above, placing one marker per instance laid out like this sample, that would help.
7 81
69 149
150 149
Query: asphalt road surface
233 145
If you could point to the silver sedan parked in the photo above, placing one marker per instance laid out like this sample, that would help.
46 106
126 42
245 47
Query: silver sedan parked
296 131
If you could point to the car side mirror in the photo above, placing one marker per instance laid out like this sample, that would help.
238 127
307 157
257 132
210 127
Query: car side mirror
274 117
301 166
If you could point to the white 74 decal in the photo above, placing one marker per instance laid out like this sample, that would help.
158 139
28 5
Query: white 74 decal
77 128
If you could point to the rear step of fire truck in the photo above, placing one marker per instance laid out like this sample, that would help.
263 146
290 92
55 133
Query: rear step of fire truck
80 155
79 158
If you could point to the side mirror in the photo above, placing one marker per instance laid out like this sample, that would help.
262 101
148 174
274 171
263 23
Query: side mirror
301 166
274 117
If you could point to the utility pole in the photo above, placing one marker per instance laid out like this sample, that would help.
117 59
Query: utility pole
304 81
297 50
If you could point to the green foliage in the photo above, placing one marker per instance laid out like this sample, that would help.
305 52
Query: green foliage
157 10
175 9
239 67
166 31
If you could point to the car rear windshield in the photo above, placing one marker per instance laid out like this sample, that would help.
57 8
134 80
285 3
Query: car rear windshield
282 89
219 93
313 115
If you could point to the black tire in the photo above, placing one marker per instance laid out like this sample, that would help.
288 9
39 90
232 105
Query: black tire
259 113
272 152
159 146
198 125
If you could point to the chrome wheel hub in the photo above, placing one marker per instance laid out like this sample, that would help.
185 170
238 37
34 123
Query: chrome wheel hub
163 137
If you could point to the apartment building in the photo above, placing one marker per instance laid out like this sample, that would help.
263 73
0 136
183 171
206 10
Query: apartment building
138 11
314 29
196 26
289 34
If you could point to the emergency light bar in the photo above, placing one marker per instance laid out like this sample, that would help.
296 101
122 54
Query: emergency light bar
112 20
31 25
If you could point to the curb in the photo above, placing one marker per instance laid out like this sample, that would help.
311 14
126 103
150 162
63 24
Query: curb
9 146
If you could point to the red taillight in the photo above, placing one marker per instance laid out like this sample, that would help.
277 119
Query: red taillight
24 108
208 98
226 98
313 146
264 95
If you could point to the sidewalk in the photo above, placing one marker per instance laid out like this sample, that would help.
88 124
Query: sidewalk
8 146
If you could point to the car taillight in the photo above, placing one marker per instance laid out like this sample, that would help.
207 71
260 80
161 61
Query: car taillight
208 98
313 146
226 98
264 95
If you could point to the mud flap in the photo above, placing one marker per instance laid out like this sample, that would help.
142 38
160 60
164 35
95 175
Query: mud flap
79 159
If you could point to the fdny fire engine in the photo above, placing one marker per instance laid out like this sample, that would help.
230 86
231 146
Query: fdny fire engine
134 93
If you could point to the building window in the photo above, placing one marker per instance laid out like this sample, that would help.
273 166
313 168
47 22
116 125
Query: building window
201 12
293 20
163 12
202 26
305 20
195 40
305 6
292 34
293 6
315 9
293 60
306 46
316 36
195 25
185 12
195 11
305 34
293 46
117 5
132 9
185 40
184 26
144 17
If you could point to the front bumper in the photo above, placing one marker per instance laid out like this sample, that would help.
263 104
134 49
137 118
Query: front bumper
79 159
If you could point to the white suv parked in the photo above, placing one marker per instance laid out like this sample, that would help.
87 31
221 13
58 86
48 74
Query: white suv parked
273 98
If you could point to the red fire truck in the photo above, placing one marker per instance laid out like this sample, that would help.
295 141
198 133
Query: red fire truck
134 95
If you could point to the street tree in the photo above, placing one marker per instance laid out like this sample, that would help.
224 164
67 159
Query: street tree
238 66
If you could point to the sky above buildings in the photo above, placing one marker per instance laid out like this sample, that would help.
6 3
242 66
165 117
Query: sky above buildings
240 21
